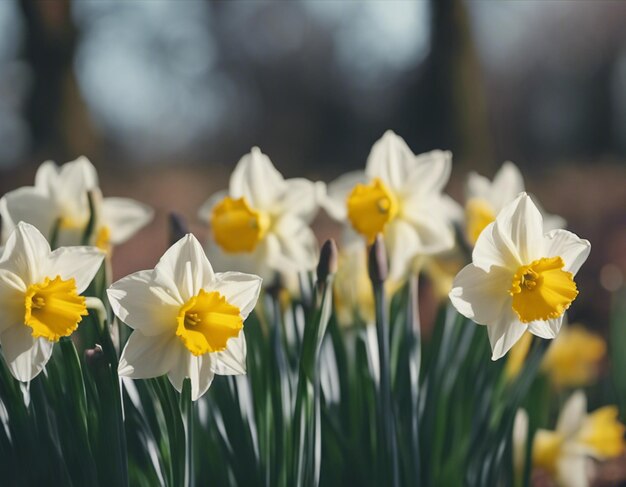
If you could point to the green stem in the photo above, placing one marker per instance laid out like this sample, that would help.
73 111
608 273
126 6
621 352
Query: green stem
187 409
386 411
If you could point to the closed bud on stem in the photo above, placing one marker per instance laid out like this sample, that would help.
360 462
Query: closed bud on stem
328 260
94 357
377 261
177 227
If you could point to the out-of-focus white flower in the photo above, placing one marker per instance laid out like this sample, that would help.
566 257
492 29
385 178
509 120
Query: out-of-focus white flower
484 199
400 196
187 320
261 224
58 204
566 452
40 297
520 278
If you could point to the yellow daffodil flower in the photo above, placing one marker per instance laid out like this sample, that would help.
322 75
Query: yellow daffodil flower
400 196
565 453
187 320
58 204
520 278
261 224
40 297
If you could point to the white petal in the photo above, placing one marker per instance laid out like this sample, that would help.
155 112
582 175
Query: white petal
480 295
80 263
184 267
504 333
452 210
547 329
492 249
74 180
390 160
507 184
198 369
573 470
12 290
431 220
145 357
241 290
428 173
26 253
521 227
204 213
572 415
403 245
573 250
124 217
255 262
29 205
46 177
520 439
256 179
478 187
78 177
338 191
291 245
301 198
26 356
142 304
231 361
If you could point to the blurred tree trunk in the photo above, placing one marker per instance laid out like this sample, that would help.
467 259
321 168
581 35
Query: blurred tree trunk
460 101
59 124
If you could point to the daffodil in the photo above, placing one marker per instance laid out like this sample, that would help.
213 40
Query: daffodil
40 297
399 195
261 224
572 360
484 199
187 320
520 278
579 436
58 206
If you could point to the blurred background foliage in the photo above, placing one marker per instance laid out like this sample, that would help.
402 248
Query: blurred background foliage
164 97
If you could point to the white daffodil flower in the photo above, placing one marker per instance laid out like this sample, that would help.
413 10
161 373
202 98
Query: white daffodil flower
40 297
566 453
58 204
484 199
261 224
187 320
398 195
520 278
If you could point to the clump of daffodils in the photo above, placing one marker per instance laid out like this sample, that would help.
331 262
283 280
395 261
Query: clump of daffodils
255 358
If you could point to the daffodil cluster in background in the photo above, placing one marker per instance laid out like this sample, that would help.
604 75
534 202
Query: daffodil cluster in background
260 357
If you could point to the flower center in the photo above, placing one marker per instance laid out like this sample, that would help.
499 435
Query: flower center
478 214
207 321
542 290
237 227
103 239
53 308
370 207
